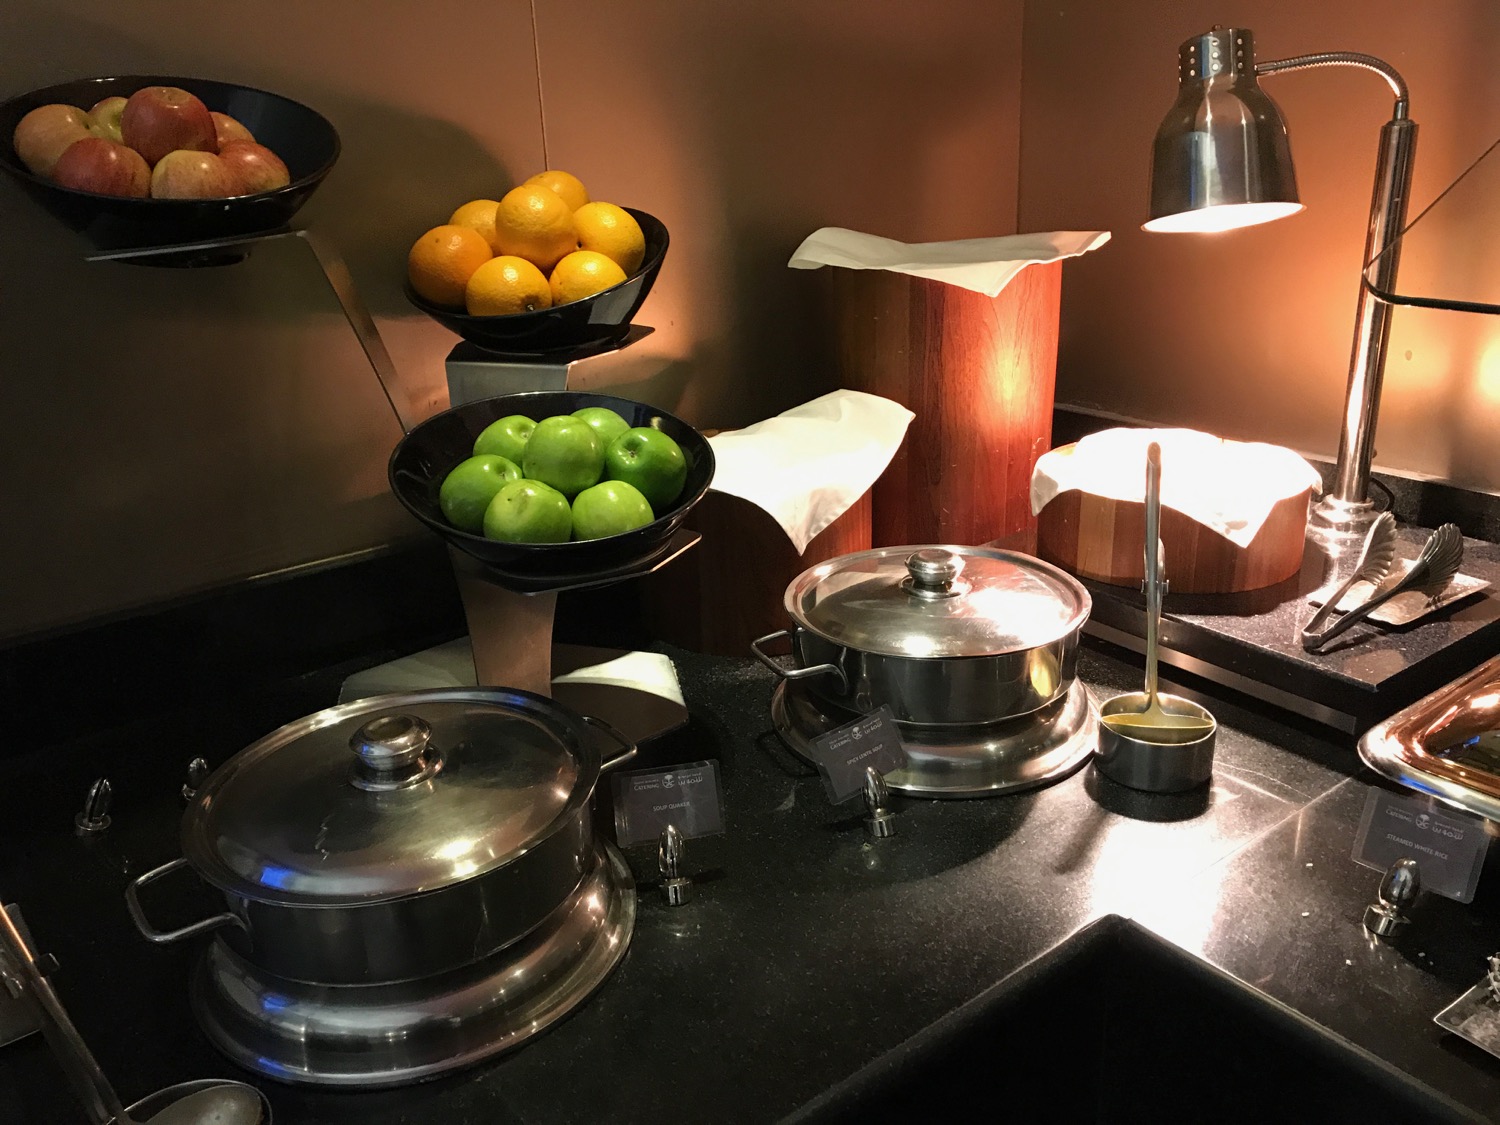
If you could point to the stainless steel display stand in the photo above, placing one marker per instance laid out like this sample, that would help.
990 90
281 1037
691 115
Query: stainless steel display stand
510 616
474 373
335 272
510 638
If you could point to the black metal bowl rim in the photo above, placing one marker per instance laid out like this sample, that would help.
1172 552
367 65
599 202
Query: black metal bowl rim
645 267
312 177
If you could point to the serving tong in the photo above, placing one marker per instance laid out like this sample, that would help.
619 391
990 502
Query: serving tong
1430 574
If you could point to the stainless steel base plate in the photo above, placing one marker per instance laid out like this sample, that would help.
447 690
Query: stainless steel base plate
392 1034
986 761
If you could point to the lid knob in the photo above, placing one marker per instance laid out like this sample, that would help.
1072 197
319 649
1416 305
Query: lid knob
934 573
390 751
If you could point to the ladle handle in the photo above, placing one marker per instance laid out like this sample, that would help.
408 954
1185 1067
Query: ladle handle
1153 566
25 979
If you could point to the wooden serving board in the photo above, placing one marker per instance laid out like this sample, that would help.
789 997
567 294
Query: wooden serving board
1103 539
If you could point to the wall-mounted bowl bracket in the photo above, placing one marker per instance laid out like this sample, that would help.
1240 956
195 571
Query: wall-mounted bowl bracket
335 271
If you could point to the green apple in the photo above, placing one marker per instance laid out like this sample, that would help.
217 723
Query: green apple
467 491
528 511
564 452
611 507
607 424
505 438
651 461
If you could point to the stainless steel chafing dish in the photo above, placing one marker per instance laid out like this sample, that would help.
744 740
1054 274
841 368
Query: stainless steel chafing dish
1446 744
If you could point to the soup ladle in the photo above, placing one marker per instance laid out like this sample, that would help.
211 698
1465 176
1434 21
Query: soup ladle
1154 723
204 1102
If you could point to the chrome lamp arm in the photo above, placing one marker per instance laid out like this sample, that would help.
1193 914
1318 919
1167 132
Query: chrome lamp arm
1346 508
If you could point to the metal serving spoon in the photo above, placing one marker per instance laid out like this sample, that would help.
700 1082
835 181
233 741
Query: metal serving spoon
1155 724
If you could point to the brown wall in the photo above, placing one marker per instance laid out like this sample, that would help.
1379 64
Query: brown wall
169 431
1248 333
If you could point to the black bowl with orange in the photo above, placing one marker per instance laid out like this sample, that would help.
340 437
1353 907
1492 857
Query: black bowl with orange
593 322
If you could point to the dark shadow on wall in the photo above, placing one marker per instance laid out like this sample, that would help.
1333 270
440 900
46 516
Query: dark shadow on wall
857 119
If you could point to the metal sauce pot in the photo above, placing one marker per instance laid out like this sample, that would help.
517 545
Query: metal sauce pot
394 837
946 636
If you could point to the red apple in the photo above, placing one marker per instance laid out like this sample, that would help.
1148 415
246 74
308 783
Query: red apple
46 132
160 119
101 165
104 116
228 130
188 174
258 168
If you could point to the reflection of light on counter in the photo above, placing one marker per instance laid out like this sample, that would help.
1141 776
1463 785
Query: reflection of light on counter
1167 875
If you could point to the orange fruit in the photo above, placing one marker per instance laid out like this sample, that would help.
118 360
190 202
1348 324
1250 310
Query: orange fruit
582 274
613 232
506 285
478 214
568 187
442 261
533 222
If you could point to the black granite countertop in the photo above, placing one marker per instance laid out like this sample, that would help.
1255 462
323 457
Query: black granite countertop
809 950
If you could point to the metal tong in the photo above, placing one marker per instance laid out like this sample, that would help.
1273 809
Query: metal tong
1430 575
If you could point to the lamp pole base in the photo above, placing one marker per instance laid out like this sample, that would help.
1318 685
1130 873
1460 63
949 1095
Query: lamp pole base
1333 520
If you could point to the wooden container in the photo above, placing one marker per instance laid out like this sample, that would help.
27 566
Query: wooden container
978 372
1103 539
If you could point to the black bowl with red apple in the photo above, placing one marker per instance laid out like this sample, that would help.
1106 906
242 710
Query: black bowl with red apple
304 139
432 449
595 321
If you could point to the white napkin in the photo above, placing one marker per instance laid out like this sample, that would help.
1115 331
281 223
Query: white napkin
985 265
807 466
1229 486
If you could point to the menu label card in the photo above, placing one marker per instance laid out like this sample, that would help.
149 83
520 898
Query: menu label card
843 755
1448 845
685 796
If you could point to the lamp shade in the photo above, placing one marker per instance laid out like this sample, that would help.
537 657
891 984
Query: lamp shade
1221 158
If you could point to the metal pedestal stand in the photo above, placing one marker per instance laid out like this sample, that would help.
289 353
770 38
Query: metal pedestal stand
510 615
510 637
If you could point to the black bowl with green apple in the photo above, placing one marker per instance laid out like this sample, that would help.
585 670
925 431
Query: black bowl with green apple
434 448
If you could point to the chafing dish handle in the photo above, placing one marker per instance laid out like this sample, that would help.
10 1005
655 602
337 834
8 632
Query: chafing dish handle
627 748
794 673
150 933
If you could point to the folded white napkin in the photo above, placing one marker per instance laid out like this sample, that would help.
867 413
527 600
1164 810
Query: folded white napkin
806 467
1229 486
985 265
